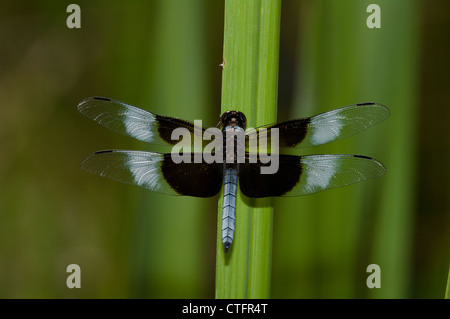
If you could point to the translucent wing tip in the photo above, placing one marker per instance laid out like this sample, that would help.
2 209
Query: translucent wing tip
380 168
85 101
383 109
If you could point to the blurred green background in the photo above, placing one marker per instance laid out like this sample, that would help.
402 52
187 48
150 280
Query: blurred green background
164 56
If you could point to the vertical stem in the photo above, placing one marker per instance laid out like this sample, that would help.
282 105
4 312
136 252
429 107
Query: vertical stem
266 106
249 84
447 290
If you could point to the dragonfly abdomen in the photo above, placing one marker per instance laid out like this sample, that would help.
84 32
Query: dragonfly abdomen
229 206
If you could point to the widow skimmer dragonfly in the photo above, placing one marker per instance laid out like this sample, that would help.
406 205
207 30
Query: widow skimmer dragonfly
296 175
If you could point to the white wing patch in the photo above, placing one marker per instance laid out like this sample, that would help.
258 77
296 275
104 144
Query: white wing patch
321 136
137 127
320 172
317 178
130 167
146 172
121 117
343 122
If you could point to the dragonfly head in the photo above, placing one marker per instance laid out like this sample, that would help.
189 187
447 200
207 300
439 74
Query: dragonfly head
233 118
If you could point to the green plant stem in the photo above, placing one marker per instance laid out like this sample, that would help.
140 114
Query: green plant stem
249 84
447 290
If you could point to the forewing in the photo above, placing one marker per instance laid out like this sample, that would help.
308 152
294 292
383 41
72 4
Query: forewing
325 127
132 121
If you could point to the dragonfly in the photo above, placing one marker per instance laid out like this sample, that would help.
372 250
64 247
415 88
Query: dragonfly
295 175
